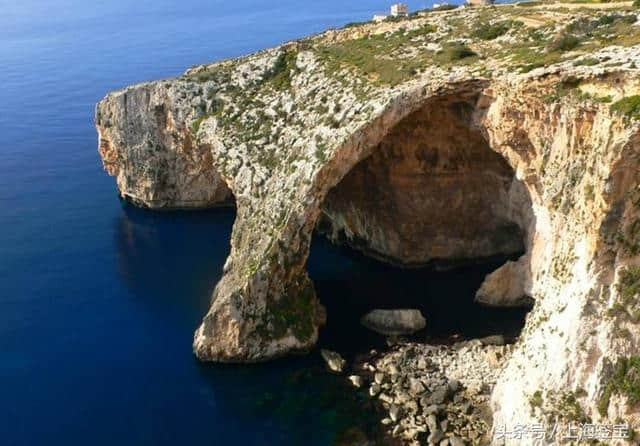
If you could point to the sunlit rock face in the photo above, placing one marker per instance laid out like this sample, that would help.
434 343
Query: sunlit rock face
431 190
154 157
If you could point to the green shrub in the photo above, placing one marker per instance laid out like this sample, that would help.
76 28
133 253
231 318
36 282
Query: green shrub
529 4
488 31
536 399
629 106
625 381
195 125
563 42
628 288
280 74
561 90
452 52
589 61
629 285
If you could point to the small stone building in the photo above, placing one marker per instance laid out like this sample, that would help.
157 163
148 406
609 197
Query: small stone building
399 10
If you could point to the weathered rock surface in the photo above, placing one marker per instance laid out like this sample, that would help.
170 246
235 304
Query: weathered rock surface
394 322
305 130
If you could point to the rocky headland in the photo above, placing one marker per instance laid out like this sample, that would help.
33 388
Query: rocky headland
443 138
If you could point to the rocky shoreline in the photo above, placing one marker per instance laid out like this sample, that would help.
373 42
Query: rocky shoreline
432 394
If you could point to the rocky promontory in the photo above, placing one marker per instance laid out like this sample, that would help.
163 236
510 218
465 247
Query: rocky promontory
442 138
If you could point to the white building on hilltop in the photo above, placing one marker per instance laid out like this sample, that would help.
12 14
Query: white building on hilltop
397 10
480 2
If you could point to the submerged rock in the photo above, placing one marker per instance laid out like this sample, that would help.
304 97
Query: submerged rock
394 322
335 362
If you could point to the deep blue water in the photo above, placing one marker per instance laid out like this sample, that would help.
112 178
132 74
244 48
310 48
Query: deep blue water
99 301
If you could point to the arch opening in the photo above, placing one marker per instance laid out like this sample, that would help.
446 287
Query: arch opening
420 223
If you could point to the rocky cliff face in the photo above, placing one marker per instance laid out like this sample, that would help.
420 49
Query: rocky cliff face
415 145
144 142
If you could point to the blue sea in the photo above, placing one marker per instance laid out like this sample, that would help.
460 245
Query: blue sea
99 300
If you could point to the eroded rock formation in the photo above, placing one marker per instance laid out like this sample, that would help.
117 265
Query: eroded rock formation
431 190
535 160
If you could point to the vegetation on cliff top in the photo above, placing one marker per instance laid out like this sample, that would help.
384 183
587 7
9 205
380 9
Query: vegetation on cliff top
255 97
380 57
526 38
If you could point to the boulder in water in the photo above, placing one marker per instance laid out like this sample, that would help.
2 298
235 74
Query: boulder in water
334 361
394 322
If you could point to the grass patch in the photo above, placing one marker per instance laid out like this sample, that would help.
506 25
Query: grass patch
529 4
629 107
378 57
607 29
217 73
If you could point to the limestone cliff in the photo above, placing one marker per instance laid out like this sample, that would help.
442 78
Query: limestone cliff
445 136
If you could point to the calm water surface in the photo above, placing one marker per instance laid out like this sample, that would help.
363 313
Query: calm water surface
98 301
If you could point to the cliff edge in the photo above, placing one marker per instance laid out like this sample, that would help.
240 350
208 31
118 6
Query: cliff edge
443 137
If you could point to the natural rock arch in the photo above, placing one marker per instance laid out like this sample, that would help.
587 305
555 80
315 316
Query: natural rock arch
267 307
